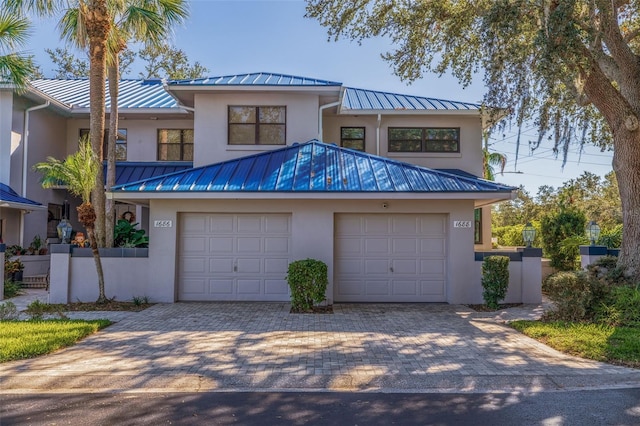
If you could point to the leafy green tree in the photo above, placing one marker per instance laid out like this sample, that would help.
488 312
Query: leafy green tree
165 61
571 65
557 227
78 172
15 68
97 23
148 21
491 160
69 65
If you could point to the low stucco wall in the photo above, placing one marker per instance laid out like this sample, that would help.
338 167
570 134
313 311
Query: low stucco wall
74 277
35 265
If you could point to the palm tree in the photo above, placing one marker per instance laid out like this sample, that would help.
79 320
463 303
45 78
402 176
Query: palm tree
78 172
96 20
491 159
14 68
149 21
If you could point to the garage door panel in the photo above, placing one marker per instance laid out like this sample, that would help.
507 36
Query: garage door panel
404 287
276 245
249 245
221 245
234 256
404 266
390 258
220 224
377 288
221 286
433 288
375 266
376 246
194 286
246 286
197 265
276 266
277 225
195 245
218 265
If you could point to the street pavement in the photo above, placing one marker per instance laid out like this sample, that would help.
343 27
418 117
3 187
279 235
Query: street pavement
233 346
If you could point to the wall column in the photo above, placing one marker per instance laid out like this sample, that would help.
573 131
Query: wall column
589 254
3 247
531 275
59 273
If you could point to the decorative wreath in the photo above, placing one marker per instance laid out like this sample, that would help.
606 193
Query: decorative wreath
128 216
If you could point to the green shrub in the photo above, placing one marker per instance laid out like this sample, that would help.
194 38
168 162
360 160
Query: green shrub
611 238
12 289
511 236
621 309
308 281
557 227
495 280
37 309
573 294
607 271
8 311
126 234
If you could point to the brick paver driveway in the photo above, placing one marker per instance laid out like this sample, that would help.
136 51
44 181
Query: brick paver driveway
222 346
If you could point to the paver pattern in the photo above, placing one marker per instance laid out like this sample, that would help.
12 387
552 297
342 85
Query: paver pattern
222 346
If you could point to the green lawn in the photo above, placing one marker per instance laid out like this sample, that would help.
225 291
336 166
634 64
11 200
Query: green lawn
615 345
28 339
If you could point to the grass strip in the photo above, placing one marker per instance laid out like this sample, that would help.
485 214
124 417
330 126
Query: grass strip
28 339
614 345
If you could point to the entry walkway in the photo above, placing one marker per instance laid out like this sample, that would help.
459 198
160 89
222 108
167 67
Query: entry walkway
261 346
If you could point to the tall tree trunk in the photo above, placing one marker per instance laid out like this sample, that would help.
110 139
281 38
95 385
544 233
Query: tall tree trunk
114 77
102 297
626 163
98 25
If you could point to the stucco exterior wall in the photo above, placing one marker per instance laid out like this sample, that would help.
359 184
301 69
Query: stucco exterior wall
6 108
313 235
142 135
211 122
468 159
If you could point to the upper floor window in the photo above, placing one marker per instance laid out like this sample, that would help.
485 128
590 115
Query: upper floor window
352 137
257 125
175 144
477 226
121 143
424 139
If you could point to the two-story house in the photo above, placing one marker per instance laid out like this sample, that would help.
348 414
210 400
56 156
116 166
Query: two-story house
270 168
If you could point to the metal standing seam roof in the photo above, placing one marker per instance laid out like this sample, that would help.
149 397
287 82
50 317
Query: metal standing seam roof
360 99
133 93
313 167
12 199
255 79
131 171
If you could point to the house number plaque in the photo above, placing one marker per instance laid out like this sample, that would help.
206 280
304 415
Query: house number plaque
162 223
462 224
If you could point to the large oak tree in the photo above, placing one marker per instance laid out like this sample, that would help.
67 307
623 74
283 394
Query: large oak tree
571 65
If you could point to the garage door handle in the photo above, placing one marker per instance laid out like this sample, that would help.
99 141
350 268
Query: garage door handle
235 268
391 269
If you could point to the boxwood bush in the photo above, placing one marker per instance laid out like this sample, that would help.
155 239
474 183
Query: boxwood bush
495 280
308 281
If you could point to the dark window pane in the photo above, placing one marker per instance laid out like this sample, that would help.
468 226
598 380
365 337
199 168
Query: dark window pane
239 114
442 146
272 134
272 115
358 145
405 134
121 152
242 134
187 152
405 146
187 136
352 133
441 134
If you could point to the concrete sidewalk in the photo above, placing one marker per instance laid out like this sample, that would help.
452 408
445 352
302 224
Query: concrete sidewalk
195 347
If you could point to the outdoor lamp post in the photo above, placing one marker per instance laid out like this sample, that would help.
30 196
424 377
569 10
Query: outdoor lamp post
593 232
528 234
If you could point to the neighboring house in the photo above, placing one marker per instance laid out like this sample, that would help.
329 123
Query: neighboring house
270 168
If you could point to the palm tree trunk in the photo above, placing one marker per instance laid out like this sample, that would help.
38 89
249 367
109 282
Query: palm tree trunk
102 298
113 77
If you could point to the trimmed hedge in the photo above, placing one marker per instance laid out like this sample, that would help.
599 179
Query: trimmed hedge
308 280
495 280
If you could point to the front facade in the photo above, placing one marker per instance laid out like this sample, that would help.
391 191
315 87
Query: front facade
270 168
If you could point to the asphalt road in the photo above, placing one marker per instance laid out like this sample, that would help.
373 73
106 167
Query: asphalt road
589 407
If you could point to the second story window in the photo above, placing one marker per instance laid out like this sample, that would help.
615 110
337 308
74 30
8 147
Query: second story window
257 125
121 143
424 139
352 137
175 144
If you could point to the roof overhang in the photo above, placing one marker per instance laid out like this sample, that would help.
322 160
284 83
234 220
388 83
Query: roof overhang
20 206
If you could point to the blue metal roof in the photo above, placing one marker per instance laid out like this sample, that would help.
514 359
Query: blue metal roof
313 167
12 199
131 171
133 93
360 99
255 79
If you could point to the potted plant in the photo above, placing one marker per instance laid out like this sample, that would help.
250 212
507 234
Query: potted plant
13 269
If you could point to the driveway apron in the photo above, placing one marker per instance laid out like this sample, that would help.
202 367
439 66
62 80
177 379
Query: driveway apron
261 346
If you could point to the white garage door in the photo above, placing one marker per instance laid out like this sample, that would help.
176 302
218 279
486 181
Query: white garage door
234 256
390 258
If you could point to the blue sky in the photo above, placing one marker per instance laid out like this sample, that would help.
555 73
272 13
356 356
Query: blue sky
231 37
